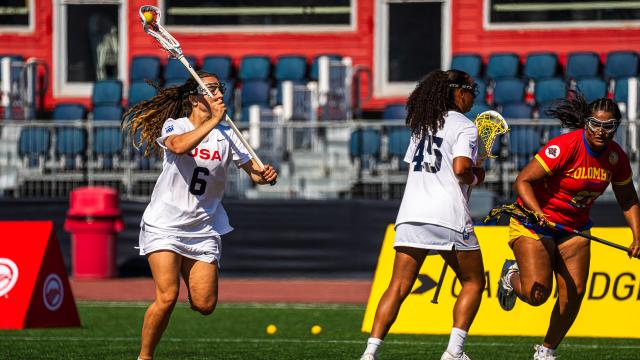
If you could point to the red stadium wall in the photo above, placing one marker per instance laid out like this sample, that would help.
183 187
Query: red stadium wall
468 35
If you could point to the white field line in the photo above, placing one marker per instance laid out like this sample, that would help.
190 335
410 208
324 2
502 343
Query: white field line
505 344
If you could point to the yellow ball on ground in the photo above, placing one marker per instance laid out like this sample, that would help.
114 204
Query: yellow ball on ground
148 16
316 329
271 329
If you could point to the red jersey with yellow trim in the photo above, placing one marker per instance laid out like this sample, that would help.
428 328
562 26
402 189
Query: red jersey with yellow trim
577 176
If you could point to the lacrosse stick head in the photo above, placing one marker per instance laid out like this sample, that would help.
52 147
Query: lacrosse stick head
490 124
515 210
150 17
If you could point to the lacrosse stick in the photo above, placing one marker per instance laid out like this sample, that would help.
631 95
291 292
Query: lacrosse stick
436 294
490 124
150 16
528 217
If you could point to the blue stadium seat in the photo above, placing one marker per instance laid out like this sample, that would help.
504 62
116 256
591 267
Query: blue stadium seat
524 142
107 92
621 90
107 112
592 88
220 65
256 67
508 90
145 68
482 92
399 138
503 65
469 63
175 73
549 89
540 65
364 144
255 92
69 111
517 111
582 65
621 64
313 72
477 109
140 91
395 112
542 109
107 141
290 67
33 143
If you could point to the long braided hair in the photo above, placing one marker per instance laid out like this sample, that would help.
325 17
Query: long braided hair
148 116
432 98
574 110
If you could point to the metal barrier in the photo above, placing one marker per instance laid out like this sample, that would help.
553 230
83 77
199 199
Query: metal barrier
341 159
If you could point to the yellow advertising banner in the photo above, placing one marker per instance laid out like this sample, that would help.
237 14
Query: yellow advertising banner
611 307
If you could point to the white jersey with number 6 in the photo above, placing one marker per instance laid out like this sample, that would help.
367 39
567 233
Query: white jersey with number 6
433 194
186 200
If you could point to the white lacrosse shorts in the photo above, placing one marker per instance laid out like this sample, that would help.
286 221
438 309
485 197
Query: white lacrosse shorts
207 249
434 237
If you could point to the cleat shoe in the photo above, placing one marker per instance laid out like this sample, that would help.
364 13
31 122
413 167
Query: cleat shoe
506 295
541 355
447 356
368 357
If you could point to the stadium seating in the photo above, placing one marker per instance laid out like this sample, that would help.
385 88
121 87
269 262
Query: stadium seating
469 63
107 141
481 98
503 65
524 142
592 88
220 65
399 138
313 72
255 67
508 90
621 90
229 96
477 109
364 145
621 64
540 65
254 92
549 90
106 92
290 67
140 91
71 142
175 73
394 112
517 111
33 145
145 68
279 89
582 65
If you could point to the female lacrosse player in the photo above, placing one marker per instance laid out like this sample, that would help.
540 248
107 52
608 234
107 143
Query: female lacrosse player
182 225
560 184
434 215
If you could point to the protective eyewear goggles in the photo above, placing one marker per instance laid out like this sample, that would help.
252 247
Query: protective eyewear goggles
473 89
212 87
607 126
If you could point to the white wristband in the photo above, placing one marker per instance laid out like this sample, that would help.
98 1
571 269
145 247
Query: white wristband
475 180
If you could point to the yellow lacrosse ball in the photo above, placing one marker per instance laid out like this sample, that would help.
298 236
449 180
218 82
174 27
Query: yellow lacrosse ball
316 329
271 329
148 16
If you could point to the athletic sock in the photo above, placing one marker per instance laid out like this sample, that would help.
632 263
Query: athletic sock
372 345
456 341
545 350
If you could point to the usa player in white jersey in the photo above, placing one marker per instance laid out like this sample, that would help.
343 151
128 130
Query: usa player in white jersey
182 225
434 215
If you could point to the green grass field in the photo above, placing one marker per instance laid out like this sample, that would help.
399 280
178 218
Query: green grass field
235 331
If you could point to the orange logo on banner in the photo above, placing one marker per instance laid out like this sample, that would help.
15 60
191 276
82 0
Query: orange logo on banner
34 289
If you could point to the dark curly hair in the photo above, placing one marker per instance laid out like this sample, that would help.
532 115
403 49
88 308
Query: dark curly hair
432 98
148 116
574 110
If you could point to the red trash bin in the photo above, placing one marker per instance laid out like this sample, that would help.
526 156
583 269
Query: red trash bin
93 220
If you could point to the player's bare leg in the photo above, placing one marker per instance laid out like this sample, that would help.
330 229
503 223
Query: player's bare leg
165 268
201 279
406 265
572 271
533 282
469 269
